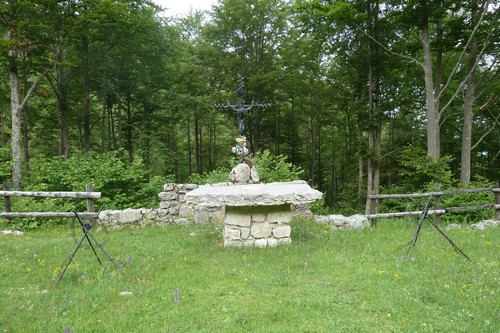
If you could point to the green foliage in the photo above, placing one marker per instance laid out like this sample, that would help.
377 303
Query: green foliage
315 284
469 199
421 173
275 168
5 163
121 186
219 175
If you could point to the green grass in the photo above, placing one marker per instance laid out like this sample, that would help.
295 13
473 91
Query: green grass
326 281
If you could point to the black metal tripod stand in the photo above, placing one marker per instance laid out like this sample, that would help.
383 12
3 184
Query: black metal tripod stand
424 217
87 235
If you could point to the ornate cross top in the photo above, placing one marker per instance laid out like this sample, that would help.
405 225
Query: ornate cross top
240 107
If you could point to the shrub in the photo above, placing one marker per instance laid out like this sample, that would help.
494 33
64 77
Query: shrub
275 168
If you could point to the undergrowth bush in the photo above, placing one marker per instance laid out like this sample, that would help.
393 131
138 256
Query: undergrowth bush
121 186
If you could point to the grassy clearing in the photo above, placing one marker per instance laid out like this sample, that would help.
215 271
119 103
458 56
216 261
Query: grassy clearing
341 281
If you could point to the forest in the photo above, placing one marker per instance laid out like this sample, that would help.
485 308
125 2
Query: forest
366 96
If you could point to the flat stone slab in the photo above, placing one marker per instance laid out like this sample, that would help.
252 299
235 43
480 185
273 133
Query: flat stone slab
272 194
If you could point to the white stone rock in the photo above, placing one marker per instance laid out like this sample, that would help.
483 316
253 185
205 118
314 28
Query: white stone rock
233 217
281 215
232 243
254 175
271 242
485 224
12 232
282 231
240 174
273 194
284 241
453 226
261 243
130 216
185 211
258 216
245 233
261 230
230 233
125 293
168 196
344 222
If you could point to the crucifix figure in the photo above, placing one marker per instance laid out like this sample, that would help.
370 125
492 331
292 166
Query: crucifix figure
240 107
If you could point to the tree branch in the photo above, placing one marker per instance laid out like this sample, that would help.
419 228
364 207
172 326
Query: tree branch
459 61
487 132
388 49
33 86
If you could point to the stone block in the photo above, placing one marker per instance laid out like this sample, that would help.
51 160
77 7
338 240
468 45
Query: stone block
282 231
201 216
168 187
165 204
261 243
130 216
258 215
261 230
167 196
272 242
284 241
232 243
185 211
182 221
230 233
237 217
281 215
174 210
245 233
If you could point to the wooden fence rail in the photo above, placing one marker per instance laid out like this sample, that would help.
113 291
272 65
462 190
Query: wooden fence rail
89 195
438 210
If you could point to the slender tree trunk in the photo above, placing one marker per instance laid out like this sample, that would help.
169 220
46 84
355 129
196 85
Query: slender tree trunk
103 122
433 118
190 150
360 162
60 86
16 123
130 147
374 113
465 161
86 94
26 143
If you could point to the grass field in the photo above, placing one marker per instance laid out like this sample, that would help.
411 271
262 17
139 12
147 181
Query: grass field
326 281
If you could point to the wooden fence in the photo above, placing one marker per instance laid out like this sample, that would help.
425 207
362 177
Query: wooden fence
436 208
89 195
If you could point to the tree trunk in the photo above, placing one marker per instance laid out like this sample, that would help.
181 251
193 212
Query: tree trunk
433 127
60 86
374 114
465 161
130 147
16 124
86 94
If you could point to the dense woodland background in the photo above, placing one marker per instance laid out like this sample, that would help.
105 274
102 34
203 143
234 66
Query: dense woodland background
366 96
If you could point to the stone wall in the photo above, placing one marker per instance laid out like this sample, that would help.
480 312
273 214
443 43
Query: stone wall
264 226
174 209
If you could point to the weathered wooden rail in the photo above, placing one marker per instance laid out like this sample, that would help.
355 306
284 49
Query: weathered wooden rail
89 195
438 210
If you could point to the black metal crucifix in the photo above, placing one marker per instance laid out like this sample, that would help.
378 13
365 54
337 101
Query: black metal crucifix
240 107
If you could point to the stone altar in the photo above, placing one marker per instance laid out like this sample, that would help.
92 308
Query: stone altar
255 214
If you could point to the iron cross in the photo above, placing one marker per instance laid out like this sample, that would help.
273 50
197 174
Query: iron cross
240 107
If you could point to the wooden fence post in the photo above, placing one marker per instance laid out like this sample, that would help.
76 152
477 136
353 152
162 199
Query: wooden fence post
373 210
90 201
438 207
497 201
7 198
